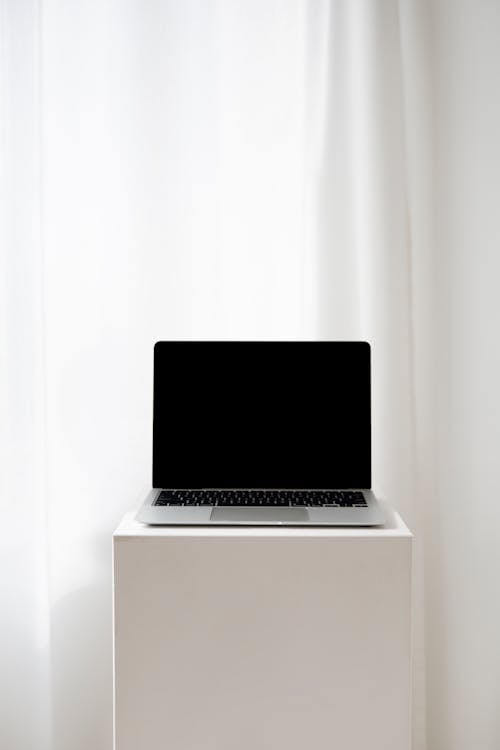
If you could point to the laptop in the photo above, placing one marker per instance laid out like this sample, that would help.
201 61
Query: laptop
262 433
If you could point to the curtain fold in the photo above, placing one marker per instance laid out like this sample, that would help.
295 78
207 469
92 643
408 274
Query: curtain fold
222 169
25 695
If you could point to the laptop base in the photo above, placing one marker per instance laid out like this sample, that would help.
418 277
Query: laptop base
371 515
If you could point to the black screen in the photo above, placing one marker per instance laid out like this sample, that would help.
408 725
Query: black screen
239 414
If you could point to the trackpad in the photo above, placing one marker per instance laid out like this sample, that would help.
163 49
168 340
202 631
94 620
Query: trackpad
259 515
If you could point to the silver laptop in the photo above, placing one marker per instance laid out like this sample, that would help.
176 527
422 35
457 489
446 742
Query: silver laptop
262 433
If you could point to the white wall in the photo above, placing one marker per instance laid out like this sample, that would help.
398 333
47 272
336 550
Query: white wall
463 614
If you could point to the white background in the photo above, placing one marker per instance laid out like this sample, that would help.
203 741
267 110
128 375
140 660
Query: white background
242 169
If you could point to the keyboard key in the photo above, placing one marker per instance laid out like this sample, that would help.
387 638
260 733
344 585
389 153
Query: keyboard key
263 498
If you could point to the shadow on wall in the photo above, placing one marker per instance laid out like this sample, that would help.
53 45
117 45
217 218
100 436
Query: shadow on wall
82 664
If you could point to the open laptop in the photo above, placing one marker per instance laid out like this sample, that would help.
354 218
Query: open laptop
262 433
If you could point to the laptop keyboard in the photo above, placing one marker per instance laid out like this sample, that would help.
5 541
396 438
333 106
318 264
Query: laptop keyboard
270 498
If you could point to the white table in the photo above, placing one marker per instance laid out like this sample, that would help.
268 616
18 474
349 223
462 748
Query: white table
262 638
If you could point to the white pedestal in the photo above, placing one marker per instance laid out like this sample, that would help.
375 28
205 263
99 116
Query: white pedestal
262 638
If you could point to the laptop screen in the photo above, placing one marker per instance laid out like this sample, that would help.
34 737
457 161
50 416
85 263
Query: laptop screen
245 414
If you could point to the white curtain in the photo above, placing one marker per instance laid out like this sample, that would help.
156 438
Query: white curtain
244 169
